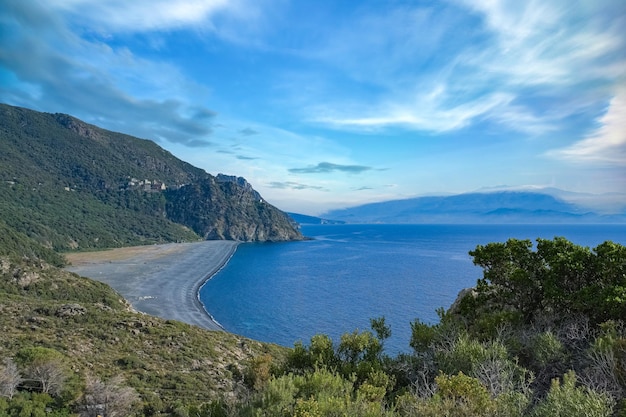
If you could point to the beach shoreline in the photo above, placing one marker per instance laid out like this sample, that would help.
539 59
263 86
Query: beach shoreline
203 283
160 280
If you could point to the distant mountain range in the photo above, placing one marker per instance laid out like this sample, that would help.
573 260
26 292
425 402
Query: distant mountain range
304 219
507 206
69 185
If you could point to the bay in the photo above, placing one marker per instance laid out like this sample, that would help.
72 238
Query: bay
347 274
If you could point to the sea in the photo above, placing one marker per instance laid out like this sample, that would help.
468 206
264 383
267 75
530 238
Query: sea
348 274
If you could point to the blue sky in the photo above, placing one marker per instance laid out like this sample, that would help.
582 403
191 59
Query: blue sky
327 104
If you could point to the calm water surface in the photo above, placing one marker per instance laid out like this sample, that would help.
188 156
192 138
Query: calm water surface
285 292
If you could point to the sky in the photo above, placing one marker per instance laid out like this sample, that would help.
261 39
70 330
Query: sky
325 104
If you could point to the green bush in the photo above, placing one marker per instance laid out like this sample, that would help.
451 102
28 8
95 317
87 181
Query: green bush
567 400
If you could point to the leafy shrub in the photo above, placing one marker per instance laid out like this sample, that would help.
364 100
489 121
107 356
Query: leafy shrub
567 400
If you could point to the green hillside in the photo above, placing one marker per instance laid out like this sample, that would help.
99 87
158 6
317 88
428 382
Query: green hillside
69 185
83 331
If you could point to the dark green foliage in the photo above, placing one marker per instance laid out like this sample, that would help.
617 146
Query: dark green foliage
32 405
382 330
36 279
565 399
501 352
422 335
17 245
558 278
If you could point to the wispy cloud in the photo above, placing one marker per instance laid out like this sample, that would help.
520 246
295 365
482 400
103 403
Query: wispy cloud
248 131
524 54
607 144
553 44
429 112
292 185
327 167
246 158
145 15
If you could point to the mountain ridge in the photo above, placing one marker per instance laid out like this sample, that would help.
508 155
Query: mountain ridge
70 185
476 207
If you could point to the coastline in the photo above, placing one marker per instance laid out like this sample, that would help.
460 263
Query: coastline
207 278
160 280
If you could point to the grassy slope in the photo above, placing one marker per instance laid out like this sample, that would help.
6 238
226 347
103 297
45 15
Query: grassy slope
159 358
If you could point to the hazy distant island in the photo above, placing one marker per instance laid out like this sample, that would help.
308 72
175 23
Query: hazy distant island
506 206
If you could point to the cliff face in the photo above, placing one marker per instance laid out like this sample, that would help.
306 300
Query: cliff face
228 209
71 185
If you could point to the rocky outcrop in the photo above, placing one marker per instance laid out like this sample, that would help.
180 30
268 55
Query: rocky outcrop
70 310
241 182
465 292
219 208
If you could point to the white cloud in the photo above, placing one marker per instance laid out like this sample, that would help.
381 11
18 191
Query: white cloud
142 15
546 43
111 87
607 144
524 53
429 112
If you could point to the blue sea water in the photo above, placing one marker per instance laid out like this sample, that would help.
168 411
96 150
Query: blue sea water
285 292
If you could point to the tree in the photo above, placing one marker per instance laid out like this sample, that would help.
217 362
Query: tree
10 378
511 274
383 331
45 368
558 277
110 399
567 400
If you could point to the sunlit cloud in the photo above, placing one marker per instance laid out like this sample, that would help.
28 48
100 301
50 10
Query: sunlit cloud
142 15
545 43
607 144
429 113
524 51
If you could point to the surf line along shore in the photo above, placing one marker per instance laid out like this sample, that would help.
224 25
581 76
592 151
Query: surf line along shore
160 280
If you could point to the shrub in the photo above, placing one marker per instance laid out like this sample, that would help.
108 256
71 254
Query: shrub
567 400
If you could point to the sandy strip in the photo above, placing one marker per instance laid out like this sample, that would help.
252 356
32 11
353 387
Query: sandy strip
160 280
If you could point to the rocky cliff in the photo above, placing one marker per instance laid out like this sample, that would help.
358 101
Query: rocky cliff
228 208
